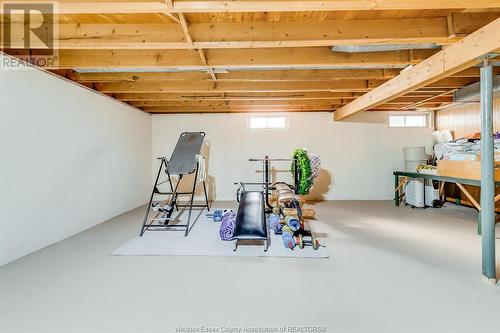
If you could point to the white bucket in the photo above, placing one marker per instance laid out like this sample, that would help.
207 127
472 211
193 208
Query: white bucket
414 156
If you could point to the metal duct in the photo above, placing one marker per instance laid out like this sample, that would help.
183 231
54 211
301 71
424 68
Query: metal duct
383 47
471 92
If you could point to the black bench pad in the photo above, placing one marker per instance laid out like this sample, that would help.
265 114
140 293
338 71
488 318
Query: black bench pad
251 218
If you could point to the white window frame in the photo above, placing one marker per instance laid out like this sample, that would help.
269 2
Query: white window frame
410 114
267 116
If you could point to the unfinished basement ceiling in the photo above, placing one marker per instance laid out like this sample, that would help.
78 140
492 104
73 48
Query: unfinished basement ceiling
180 61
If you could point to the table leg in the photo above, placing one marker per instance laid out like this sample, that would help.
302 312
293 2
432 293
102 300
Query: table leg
396 191
441 190
479 229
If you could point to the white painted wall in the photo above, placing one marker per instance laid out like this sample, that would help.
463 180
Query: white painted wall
358 157
69 159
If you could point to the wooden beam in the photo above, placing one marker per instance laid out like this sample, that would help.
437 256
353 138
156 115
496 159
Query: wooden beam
257 86
474 72
455 58
429 99
262 75
216 96
104 6
138 76
265 108
235 86
337 98
200 6
258 103
415 100
226 101
257 34
270 108
230 58
235 104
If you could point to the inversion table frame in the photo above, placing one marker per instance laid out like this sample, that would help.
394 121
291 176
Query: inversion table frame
182 162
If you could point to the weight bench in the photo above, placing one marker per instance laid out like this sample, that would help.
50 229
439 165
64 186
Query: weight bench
251 219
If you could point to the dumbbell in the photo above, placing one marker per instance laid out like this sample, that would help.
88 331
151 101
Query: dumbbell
302 241
216 215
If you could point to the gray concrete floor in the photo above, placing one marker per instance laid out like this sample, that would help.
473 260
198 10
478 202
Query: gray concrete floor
391 270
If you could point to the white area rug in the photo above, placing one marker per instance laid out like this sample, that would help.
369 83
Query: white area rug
204 240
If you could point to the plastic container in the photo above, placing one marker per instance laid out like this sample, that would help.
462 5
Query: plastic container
414 193
414 156
414 153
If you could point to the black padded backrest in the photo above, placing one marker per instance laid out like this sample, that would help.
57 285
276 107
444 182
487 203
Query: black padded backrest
251 217
183 159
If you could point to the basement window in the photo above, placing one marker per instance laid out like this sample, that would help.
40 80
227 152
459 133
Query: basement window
273 122
408 121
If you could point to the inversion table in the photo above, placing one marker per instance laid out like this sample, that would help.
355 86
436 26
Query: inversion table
184 161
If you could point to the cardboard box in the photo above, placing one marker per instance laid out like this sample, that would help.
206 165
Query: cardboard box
463 169
496 156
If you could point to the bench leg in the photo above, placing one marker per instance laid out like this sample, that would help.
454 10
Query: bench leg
235 244
266 245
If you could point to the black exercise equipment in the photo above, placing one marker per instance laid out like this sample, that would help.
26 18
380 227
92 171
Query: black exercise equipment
251 219
184 161
267 186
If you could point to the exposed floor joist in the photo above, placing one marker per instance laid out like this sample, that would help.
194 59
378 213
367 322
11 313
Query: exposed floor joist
233 58
256 86
214 96
198 6
256 75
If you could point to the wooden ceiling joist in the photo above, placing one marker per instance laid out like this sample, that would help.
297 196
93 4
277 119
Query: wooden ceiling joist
199 6
131 97
235 103
468 52
266 76
345 97
255 75
265 108
235 86
403 102
260 75
212 6
259 34
233 58
256 86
